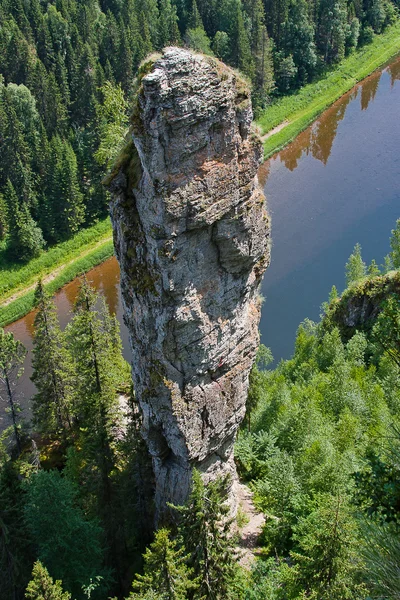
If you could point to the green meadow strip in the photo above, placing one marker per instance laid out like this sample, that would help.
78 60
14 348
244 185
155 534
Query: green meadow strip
303 107
22 305
15 277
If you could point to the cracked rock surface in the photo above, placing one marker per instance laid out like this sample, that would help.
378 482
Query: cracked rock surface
191 234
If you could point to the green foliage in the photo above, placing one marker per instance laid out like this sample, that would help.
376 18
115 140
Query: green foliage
205 529
42 586
386 331
15 542
395 245
326 555
355 267
12 356
67 542
51 370
112 123
198 40
303 107
321 449
381 553
165 571
25 239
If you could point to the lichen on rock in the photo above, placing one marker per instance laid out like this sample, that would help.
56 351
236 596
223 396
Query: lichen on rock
191 235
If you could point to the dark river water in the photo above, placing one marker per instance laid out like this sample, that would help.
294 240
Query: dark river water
337 184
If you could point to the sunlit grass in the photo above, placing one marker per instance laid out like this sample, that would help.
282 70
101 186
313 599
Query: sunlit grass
15 277
22 305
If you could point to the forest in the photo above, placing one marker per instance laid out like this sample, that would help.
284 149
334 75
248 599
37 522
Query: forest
67 69
319 448
320 443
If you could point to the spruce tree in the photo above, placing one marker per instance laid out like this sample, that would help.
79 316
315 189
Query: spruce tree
51 369
298 40
165 571
205 529
15 542
168 29
355 267
3 217
25 239
99 372
373 269
195 20
66 540
64 209
112 122
326 551
42 586
395 245
242 56
12 356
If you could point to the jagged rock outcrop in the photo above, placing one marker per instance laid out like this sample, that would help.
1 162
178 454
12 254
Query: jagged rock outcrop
191 235
361 304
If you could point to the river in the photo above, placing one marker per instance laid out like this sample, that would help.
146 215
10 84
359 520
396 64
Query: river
337 184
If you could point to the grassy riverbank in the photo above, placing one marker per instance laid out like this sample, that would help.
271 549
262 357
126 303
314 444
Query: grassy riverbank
300 109
56 267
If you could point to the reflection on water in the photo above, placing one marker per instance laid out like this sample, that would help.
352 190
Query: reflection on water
394 70
368 90
335 185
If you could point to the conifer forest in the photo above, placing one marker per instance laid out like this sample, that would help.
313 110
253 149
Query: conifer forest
319 446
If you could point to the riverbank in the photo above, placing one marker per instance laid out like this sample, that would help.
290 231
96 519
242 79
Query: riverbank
55 267
288 116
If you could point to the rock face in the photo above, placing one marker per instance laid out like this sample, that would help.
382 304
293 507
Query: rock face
361 304
191 234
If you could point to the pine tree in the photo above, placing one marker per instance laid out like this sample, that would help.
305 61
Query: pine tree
387 264
42 586
51 369
165 571
12 355
355 267
206 533
333 294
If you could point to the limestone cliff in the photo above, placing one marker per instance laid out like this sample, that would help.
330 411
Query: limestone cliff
191 235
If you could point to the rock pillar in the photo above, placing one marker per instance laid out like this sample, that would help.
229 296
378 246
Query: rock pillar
191 235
